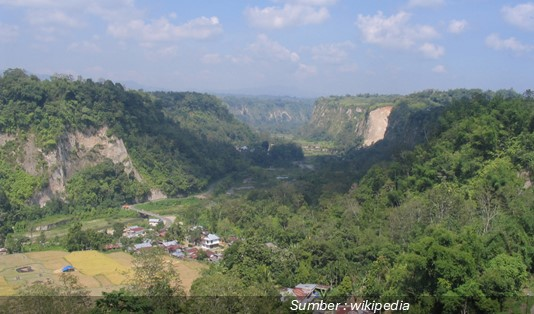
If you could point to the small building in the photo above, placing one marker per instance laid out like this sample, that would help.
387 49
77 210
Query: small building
134 232
304 293
3 251
112 246
154 221
192 252
178 254
67 269
142 246
171 246
210 241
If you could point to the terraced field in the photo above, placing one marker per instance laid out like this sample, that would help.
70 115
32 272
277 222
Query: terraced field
97 271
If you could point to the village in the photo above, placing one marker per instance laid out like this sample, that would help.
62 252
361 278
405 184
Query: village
210 247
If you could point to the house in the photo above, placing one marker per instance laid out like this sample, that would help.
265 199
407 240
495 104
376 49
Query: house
171 246
210 241
134 232
178 254
215 257
154 221
192 252
112 246
304 293
141 246
3 251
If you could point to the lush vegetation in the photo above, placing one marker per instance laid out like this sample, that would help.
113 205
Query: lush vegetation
439 214
178 142
447 225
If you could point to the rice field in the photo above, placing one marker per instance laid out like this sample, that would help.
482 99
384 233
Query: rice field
97 271
93 263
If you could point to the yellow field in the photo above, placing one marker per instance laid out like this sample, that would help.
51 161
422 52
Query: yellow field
93 263
5 289
97 271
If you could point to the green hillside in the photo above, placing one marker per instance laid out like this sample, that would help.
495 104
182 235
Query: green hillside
178 142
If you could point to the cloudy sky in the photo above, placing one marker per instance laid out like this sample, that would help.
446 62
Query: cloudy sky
290 47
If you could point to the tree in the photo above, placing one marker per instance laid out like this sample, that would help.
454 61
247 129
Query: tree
154 276
176 231
216 292
76 239
67 296
503 277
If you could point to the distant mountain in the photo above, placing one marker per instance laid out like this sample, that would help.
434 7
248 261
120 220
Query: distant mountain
270 113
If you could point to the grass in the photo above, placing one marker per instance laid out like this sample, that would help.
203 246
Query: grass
169 206
98 224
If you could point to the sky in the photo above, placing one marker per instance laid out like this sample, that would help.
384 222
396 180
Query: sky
278 47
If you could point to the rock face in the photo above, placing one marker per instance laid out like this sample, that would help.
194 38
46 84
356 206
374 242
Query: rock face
74 151
376 126
350 121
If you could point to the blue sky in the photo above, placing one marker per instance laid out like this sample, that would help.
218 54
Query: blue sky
289 47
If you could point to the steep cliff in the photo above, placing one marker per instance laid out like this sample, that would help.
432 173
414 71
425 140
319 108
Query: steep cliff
58 131
350 121
74 151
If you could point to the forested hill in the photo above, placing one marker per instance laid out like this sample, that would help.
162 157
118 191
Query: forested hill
62 128
446 225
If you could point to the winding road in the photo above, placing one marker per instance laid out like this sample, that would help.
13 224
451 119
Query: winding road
167 222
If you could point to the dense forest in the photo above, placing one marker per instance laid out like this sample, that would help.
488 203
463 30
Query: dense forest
439 213
178 142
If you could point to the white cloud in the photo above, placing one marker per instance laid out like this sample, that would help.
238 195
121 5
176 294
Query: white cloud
494 41
163 30
57 17
291 13
312 2
348 68
305 71
288 15
439 69
273 49
432 51
393 31
8 33
32 3
211 58
240 59
425 3
521 15
332 53
457 26
168 51
85 46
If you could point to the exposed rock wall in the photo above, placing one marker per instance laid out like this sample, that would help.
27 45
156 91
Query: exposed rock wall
74 151
376 126
350 126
